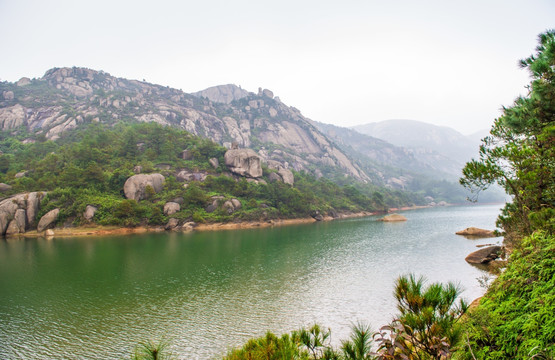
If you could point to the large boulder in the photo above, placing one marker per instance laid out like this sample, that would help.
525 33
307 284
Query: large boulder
171 208
90 210
135 187
485 255
393 217
28 203
18 224
232 205
287 176
476 233
5 187
274 177
33 202
243 162
48 220
172 224
187 175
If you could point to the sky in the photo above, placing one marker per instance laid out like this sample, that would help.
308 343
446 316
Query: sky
348 62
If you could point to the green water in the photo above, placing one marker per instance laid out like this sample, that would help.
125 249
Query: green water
95 298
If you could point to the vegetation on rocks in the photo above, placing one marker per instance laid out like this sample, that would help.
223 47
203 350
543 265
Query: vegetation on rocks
90 165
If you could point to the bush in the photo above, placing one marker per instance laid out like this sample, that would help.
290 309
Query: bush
515 317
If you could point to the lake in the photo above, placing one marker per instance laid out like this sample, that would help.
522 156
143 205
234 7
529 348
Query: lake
205 292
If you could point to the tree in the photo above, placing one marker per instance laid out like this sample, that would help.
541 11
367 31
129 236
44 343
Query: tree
359 346
519 153
427 327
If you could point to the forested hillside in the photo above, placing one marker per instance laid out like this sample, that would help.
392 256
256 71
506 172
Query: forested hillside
90 165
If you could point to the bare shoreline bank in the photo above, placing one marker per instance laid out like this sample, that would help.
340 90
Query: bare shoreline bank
99 230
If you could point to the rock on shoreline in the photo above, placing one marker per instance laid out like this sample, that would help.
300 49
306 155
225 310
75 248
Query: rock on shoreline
476 232
485 255
393 217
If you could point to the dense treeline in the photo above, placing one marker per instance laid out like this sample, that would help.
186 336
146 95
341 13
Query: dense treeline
90 165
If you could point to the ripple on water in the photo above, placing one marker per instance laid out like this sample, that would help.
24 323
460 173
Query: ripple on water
207 292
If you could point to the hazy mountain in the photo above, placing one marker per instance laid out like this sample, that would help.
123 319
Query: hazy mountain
442 148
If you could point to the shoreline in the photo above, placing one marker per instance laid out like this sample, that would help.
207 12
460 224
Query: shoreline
110 230
100 230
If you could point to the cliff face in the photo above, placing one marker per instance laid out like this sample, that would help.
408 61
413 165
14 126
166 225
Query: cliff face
65 98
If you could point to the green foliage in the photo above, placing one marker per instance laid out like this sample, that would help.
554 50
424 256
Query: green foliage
270 347
359 346
519 154
89 166
152 351
427 327
515 318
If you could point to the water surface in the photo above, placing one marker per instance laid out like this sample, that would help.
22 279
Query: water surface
91 298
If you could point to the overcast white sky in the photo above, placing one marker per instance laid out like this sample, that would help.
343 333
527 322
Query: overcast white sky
347 62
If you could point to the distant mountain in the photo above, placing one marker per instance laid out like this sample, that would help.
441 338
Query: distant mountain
442 148
378 156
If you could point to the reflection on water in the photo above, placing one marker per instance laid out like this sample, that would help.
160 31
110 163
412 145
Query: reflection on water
207 292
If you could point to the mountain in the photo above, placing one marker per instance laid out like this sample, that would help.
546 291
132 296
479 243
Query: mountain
67 98
444 149
384 161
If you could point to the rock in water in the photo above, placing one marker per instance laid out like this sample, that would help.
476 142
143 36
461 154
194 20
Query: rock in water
135 187
485 255
476 232
393 217
244 162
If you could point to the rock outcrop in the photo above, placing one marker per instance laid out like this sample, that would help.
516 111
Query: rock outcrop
485 255
243 162
89 213
223 93
187 175
171 224
476 233
171 208
135 187
393 217
18 212
283 173
48 220
232 205
5 187
18 224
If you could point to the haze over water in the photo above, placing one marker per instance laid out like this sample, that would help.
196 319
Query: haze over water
207 292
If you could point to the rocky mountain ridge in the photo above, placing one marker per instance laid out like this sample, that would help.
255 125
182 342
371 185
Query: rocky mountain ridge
66 98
